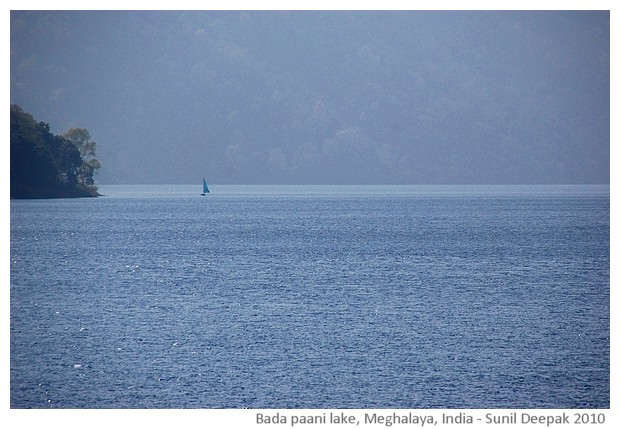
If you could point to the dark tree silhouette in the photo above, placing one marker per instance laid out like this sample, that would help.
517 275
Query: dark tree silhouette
44 165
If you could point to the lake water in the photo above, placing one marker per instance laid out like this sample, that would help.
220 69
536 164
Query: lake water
312 297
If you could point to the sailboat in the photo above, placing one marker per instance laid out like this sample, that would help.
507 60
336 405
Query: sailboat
205 188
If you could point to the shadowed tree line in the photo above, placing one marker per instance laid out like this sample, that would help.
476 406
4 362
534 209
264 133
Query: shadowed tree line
44 165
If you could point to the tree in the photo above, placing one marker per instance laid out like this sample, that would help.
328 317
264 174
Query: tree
69 162
44 165
80 138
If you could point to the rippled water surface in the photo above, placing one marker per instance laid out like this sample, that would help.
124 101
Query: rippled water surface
312 297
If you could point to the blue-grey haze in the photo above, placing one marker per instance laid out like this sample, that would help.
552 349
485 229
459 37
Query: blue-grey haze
312 297
402 97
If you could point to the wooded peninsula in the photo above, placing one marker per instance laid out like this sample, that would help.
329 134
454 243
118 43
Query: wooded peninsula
44 165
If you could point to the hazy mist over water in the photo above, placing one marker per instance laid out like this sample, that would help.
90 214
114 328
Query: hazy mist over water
408 210
407 97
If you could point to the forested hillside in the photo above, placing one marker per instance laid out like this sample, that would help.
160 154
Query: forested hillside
325 97
44 165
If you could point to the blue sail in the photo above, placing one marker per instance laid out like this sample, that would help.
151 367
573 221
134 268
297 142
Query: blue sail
205 188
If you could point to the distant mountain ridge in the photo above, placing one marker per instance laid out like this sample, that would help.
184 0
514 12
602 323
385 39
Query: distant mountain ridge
403 97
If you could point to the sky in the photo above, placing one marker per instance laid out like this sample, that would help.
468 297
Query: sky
324 97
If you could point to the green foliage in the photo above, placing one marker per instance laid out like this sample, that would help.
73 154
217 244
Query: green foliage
80 139
44 165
